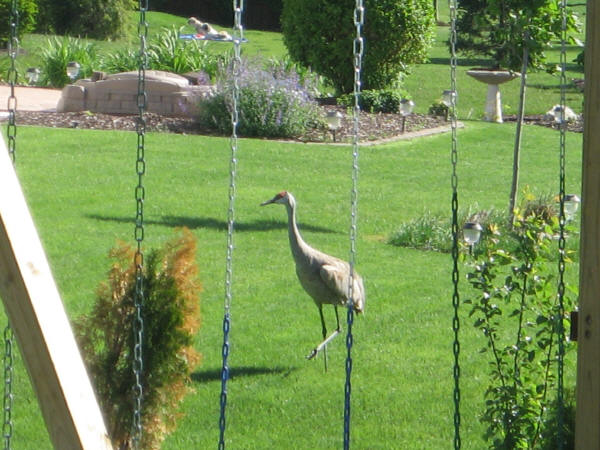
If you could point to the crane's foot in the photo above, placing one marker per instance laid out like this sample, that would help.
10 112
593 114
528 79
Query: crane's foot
322 345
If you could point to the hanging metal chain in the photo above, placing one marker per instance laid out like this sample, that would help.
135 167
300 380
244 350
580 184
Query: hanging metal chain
13 48
238 36
7 427
562 223
140 194
455 231
358 49
11 132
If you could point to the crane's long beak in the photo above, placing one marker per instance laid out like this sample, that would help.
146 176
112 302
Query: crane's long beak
268 202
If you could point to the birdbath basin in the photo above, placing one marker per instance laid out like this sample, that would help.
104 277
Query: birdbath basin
493 78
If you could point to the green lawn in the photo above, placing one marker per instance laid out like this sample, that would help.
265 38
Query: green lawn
80 187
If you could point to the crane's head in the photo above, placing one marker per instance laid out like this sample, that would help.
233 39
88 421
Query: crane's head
283 198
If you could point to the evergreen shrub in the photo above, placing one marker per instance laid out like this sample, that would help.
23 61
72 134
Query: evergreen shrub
171 318
320 34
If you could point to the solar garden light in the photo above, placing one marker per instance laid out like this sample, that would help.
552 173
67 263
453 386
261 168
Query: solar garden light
406 109
73 69
448 99
571 205
334 121
472 234
33 75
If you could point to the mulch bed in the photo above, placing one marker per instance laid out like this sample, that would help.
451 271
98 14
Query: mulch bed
373 127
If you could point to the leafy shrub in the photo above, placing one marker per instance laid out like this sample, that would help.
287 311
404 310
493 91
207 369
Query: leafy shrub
376 100
58 53
27 10
320 34
171 318
496 28
271 103
438 108
515 308
99 19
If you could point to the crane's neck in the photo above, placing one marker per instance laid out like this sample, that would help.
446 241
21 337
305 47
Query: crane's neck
297 244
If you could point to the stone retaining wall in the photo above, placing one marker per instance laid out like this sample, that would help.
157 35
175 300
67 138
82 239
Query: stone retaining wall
167 94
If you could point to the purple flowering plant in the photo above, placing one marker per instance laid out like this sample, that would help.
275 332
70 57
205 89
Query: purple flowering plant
274 101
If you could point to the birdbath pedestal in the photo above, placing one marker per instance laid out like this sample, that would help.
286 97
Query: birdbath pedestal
493 78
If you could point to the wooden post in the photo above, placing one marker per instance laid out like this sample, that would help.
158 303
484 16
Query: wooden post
588 350
41 326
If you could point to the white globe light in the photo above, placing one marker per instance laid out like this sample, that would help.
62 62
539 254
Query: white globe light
73 69
472 232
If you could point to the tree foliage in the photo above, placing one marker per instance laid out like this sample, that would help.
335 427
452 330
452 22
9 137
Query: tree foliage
98 19
320 34
501 28
27 11
171 319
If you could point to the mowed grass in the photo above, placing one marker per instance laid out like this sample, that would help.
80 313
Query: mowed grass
80 187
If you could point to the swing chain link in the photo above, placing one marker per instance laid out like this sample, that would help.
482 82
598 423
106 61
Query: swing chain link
358 49
455 232
8 359
7 427
562 224
12 77
236 63
140 193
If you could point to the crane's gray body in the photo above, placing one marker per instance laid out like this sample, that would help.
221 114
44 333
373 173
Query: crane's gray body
325 278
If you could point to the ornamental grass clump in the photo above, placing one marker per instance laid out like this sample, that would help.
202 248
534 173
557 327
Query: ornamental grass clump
171 318
273 102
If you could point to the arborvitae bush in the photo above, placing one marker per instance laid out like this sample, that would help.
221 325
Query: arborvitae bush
171 318
320 34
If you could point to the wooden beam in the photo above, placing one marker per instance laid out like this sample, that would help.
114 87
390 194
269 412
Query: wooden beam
41 326
588 347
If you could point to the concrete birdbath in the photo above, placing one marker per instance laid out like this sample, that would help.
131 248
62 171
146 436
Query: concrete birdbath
493 78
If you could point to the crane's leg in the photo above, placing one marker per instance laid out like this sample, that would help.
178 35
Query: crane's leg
324 330
326 340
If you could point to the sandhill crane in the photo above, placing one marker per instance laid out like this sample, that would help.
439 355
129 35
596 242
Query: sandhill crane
324 277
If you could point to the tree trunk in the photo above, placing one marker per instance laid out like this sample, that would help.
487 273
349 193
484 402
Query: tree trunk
517 150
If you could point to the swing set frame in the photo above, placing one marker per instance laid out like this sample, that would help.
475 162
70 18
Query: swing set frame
587 429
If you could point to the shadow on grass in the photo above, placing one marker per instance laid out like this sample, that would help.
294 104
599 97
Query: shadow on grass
471 62
212 223
238 372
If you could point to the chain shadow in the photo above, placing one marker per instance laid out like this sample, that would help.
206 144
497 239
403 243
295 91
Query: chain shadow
212 223
205 376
